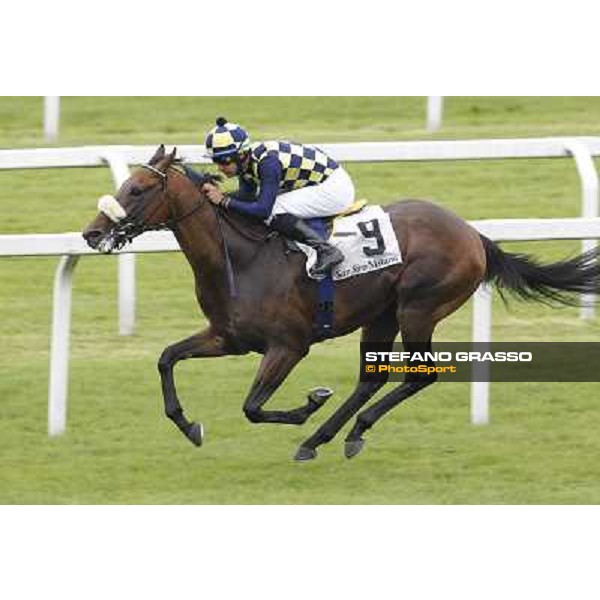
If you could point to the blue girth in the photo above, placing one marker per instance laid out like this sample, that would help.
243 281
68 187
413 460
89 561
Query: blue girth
325 289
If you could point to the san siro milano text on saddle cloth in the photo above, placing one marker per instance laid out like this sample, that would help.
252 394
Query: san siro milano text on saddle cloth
367 241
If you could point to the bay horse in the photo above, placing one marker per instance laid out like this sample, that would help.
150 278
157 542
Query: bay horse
258 298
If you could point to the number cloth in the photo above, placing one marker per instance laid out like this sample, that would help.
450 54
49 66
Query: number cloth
366 239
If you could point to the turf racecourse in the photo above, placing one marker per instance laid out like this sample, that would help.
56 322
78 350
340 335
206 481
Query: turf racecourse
541 447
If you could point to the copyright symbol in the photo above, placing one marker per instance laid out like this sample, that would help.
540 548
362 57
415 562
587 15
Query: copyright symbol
370 369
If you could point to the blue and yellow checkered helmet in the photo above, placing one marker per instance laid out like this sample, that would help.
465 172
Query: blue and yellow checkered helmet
226 139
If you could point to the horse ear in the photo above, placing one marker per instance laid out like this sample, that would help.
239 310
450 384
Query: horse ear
171 158
158 155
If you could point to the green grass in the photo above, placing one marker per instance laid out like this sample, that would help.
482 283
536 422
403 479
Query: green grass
184 120
543 441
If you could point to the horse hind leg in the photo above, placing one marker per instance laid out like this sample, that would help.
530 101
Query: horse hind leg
428 292
417 329
382 331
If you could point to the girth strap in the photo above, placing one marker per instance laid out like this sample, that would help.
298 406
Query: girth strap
325 290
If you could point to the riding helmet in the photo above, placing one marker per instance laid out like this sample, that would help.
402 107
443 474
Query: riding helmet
226 139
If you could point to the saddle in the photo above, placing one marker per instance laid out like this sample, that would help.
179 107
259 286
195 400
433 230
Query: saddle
325 225
354 208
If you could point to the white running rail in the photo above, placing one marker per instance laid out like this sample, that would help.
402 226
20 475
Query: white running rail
582 149
70 246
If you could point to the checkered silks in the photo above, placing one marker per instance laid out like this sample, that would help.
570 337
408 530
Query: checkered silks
302 164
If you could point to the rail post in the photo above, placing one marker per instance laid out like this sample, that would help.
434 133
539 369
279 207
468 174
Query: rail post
120 172
59 350
589 205
482 334
435 107
51 118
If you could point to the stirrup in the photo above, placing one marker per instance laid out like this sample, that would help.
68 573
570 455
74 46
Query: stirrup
321 271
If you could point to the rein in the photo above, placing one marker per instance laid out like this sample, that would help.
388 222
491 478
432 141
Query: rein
230 275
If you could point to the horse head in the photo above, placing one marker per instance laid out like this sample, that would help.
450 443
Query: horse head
141 204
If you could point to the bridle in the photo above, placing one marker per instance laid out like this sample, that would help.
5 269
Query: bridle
130 227
133 224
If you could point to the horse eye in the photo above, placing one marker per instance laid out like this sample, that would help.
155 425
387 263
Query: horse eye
136 191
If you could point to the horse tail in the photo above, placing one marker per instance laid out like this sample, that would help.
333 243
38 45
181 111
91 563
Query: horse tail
525 278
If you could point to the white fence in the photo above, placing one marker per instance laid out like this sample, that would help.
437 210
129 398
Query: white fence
51 117
514 230
118 158
582 149
435 110
94 156
71 245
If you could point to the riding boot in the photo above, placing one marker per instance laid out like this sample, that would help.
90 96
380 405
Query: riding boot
328 256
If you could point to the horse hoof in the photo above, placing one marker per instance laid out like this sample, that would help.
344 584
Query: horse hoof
196 434
304 453
320 395
353 447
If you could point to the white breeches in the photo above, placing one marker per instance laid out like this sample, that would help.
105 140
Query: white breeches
329 198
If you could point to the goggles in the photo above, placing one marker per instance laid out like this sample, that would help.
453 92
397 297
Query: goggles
223 160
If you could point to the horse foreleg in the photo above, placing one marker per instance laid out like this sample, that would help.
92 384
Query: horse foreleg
276 365
204 344
383 331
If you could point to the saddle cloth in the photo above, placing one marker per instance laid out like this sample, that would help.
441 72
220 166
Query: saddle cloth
366 239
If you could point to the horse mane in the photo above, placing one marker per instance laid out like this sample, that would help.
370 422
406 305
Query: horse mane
198 178
245 225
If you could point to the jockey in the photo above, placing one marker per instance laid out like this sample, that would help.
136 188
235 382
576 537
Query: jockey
281 183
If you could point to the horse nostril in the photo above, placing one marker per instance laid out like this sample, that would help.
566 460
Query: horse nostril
92 237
